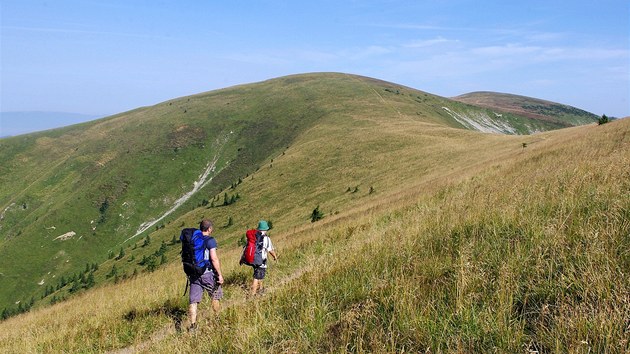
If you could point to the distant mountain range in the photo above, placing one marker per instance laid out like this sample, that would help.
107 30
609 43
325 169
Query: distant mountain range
24 122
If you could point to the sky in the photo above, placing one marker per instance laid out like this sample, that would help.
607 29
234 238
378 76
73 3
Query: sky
97 57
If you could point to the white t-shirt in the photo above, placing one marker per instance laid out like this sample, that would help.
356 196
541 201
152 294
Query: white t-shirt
267 246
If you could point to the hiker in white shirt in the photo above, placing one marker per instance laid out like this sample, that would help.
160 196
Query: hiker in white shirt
260 271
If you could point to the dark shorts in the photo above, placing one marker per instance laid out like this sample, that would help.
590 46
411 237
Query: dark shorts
208 283
259 273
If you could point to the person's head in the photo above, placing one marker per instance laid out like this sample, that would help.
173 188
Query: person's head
263 226
205 226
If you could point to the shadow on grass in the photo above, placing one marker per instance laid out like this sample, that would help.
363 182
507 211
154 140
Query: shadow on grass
241 278
170 309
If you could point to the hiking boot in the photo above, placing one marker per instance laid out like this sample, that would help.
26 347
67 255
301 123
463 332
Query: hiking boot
192 328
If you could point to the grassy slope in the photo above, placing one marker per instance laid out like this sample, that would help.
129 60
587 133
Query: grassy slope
103 179
537 109
473 243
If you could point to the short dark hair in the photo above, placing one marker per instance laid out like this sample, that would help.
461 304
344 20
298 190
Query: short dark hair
205 225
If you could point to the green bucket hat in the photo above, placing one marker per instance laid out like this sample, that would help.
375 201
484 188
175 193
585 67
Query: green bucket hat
263 226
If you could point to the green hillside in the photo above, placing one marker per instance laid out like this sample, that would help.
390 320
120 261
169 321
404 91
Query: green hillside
524 249
434 238
546 111
72 198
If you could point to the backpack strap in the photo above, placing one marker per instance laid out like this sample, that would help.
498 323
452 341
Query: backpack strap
187 286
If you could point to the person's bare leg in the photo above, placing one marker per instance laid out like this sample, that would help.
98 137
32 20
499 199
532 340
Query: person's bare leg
254 287
192 313
216 306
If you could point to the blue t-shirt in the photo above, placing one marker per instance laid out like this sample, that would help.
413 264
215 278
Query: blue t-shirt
210 243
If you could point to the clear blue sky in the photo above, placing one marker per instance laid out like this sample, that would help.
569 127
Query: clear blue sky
103 57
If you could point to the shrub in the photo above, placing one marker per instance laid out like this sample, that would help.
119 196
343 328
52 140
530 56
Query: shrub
316 214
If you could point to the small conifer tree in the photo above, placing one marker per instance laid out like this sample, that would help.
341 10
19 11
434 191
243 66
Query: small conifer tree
121 254
151 263
316 214
75 286
113 272
90 281
162 249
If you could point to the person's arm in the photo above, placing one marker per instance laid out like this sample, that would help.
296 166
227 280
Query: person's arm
271 250
273 254
214 258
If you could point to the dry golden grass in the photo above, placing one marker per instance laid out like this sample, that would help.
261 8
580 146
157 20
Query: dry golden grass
471 243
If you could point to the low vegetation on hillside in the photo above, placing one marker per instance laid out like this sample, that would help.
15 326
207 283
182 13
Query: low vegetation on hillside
83 193
561 115
525 249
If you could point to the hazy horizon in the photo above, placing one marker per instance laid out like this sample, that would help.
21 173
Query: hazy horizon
23 122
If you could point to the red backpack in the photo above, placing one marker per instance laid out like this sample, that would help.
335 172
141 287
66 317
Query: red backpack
252 252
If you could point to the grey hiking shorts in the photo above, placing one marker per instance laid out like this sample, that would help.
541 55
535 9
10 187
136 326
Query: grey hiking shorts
208 283
259 273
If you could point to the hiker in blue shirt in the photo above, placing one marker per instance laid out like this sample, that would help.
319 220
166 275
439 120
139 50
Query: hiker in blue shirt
211 280
267 248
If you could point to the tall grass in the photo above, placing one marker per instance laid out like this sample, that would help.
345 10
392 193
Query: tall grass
530 253
538 262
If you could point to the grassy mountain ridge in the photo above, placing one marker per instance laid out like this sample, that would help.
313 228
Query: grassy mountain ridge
105 178
485 245
560 114
332 139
